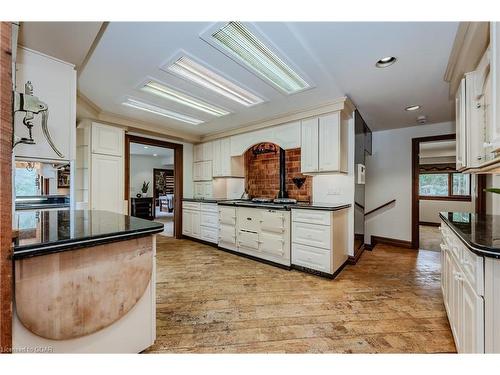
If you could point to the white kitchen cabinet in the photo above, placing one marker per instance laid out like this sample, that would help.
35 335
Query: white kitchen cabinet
460 120
191 222
107 140
309 146
462 283
203 190
203 151
223 165
319 239
107 190
493 131
202 171
492 305
324 144
54 83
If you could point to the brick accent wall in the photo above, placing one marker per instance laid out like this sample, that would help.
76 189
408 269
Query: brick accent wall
262 175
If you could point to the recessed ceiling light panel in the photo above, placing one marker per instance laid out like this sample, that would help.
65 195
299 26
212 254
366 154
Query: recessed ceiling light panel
412 108
246 48
132 103
187 68
168 93
384 62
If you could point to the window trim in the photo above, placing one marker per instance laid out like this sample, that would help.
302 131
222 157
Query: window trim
450 196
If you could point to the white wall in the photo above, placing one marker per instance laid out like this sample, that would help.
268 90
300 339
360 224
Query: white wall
430 209
187 163
141 169
339 188
388 176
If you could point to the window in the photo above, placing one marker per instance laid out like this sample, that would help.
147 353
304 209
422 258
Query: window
444 186
27 182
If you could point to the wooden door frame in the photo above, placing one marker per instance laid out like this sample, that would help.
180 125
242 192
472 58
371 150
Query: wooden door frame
178 175
415 215
6 265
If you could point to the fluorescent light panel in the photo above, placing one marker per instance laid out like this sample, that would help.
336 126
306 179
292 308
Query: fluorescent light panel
179 97
197 73
246 47
161 111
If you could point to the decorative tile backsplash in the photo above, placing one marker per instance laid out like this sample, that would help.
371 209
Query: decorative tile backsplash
262 175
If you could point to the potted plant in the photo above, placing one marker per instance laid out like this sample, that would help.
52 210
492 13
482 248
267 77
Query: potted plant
144 189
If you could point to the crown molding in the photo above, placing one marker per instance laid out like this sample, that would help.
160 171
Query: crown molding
343 104
471 41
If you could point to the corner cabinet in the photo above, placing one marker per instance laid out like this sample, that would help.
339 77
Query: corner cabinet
324 144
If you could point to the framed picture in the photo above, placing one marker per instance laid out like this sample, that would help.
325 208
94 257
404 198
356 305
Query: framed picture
63 178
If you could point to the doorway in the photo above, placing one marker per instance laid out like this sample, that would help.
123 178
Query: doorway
438 187
153 181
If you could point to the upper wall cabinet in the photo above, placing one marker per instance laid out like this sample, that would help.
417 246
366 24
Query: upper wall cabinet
493 131
203 152
324 144
460 122
223 164
107 140
54 83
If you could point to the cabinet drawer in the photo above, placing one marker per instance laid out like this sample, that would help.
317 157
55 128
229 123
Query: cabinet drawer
227 215
209 207
311 235
191 205
273 221
209 234
311 257
209 219
473 269
248 240
312 216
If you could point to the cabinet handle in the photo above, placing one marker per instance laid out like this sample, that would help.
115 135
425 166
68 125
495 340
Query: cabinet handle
443 247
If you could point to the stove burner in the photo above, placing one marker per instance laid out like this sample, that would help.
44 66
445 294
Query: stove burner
262 200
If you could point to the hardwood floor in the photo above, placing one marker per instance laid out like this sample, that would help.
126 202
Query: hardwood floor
210 301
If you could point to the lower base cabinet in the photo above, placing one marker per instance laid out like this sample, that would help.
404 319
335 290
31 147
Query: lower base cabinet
462 294
199 220
319 239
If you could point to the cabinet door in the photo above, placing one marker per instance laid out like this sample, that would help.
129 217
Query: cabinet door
198 189
196 229
107 183
225 157
455 304
329 143
197 171
187 223
273 245
107 140
461 140
472 320
309 146
493 137
54 83
206 172
198 153
216 158
207 190
207 151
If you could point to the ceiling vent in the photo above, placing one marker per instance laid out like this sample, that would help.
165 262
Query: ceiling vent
422 120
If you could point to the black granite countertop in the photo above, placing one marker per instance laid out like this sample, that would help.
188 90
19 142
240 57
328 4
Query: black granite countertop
285 206
204 200
42 232
480 233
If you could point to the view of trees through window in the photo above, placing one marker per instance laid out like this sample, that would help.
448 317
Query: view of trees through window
26 182
444 184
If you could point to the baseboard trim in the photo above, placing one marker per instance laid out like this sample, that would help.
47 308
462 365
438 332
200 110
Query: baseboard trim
429 224
321 273
353 259
390 241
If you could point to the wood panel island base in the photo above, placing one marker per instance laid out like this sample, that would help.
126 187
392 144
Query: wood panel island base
84 282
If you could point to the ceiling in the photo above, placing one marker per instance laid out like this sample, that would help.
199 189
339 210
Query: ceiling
67 41
336 58
160 152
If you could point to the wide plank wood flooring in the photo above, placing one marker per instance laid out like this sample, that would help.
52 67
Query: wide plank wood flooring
210 301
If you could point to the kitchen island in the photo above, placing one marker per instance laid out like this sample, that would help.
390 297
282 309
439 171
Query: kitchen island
84 281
